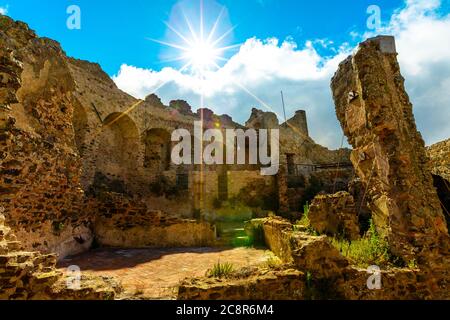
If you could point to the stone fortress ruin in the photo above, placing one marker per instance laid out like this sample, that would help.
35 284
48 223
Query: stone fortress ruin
85 165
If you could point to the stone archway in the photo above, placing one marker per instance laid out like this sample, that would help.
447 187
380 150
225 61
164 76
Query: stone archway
118 148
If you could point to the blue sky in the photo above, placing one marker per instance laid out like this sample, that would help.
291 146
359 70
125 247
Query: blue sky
116 32
289 45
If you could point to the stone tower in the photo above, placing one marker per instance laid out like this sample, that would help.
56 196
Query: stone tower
299 122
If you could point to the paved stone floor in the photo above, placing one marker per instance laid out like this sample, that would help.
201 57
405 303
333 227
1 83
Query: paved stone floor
155 273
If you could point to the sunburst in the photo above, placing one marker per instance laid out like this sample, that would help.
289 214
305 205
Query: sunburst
201 50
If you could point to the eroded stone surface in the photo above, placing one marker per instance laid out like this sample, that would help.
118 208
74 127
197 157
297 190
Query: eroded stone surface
286 284
306 252
32 275
335 215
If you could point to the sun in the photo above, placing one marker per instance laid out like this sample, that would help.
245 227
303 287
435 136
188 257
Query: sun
202 56
200 49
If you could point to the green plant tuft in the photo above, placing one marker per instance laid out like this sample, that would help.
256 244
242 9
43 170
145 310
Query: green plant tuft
220 270
304 223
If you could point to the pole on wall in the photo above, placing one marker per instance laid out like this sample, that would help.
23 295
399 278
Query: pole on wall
284 108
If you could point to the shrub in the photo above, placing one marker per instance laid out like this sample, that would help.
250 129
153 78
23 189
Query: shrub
255 231
220 270
371 249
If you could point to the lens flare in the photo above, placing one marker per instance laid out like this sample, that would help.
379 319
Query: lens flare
200 49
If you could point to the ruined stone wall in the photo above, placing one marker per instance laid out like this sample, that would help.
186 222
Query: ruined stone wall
335 214
127 223
40 190
31 275
389 155
237 180
307 253
262 285
333 277
396 284
439 154
298 122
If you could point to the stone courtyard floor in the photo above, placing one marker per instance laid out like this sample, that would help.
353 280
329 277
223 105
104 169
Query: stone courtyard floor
155 273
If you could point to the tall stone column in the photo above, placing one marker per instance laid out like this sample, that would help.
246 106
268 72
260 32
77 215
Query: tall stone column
388 152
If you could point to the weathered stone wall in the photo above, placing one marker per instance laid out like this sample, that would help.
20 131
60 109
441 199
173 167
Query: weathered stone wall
261 285
439 154
127 223
40 190
335 214
299 122
332 277
306 252
389 155
33 275
396 284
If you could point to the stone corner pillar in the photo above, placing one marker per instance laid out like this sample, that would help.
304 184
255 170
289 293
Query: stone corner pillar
388 152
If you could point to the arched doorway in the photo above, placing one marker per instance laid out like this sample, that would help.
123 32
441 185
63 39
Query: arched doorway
118 147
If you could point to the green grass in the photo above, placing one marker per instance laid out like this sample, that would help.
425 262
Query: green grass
220 270
255 231
304 222
371 249
273 262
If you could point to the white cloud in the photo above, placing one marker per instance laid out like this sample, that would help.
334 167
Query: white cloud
4 10
424 54
264 67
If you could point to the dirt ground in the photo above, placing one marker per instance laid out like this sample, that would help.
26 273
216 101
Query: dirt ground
155 273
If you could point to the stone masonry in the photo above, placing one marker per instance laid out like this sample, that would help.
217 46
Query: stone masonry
388 152
335 214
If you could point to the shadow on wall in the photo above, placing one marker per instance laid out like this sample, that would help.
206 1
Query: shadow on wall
443 190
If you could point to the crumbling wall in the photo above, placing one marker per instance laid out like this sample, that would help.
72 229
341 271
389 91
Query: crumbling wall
299 122
33 275
439 155
389 155
127 223
39 188
331 276
261 285
307 253
335 214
